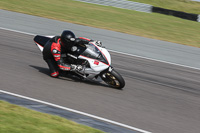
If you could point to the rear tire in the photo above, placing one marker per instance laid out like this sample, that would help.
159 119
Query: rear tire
113 79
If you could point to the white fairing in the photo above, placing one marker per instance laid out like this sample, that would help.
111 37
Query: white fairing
107 54
40 47
96 66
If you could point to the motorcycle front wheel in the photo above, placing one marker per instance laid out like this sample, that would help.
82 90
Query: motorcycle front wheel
113 79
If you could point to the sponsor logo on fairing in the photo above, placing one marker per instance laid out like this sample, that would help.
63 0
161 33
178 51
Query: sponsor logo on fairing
96 62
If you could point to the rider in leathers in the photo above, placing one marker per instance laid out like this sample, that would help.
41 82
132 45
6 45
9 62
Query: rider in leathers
58 45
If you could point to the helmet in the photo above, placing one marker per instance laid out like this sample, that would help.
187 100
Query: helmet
67 38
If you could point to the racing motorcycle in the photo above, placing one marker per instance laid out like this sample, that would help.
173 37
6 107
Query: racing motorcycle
96 61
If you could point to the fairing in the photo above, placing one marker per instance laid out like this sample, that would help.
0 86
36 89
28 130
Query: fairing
98 58
97 53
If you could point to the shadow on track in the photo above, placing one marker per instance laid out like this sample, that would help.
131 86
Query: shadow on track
71 77
41 69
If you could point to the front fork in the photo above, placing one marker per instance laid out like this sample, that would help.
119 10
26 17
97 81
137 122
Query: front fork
109 69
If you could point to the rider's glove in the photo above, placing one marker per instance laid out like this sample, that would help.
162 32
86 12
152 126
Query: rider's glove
98 43
81 41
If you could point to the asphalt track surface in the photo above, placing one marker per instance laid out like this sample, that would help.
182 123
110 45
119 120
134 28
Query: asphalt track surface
158 97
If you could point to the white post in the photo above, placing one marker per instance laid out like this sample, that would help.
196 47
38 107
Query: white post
198 18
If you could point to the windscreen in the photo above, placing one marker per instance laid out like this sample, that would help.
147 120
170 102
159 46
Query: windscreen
93 52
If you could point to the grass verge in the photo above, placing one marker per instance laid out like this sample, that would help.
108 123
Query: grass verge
151 25
16 119
187 6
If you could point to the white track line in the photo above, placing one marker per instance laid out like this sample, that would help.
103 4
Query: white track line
116 52
17 31
155 60
75 111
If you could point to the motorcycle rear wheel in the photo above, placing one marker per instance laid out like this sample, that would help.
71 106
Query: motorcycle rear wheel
113 79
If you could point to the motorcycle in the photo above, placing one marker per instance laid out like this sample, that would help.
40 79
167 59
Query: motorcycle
96 61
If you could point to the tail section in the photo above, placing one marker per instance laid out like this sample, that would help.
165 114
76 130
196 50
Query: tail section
40 41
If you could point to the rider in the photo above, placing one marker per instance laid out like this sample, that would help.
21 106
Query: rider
61 45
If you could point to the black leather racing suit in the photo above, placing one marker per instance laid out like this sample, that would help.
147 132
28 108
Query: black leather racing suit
52 54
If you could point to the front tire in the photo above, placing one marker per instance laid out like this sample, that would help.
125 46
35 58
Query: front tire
113 79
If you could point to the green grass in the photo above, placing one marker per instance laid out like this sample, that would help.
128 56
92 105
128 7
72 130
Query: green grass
178 5
16 119
151 25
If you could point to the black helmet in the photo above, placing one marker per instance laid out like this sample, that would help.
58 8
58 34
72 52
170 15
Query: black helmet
67 38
